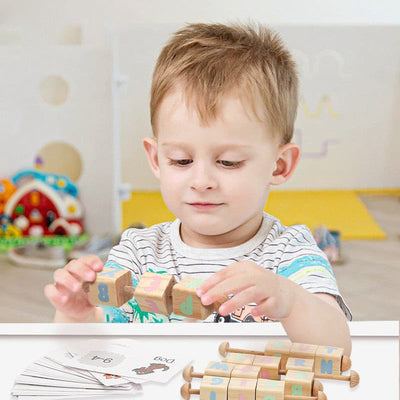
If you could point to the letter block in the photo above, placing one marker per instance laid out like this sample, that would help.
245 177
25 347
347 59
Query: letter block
278 348
301 350
242 389
238 358
269 366
270 389
299 383
109 287
328 360
246 371
214 388
154 293
215 368
186 302
300 364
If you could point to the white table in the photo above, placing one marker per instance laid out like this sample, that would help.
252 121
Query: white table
375 353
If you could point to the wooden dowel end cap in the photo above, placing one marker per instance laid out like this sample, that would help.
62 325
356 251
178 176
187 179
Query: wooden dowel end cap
321 396
187 373
185 391
354 378
346 363
317 387
223 349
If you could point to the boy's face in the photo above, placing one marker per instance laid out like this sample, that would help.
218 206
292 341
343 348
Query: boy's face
214 178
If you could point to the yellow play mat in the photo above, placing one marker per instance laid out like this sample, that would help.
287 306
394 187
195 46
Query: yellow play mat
340 210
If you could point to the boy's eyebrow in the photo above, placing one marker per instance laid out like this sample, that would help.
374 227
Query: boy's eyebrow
222 147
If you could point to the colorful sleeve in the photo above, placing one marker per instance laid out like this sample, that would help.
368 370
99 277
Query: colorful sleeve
304 263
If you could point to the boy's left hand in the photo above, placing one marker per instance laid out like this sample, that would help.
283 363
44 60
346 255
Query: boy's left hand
249 283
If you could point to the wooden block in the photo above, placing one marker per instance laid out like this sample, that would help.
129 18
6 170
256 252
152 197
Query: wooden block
246 371
185 300
278 348
299 383
269 366
109 287
242 389
154 293
238 358
215 368
328 360
301 350
300 364
214 388
270 389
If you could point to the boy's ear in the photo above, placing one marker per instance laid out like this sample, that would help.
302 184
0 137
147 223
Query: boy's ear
151 146
286 162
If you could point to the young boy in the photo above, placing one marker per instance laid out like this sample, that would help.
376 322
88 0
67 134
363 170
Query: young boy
223 107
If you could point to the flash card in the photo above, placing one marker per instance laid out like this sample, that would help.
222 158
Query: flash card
143 363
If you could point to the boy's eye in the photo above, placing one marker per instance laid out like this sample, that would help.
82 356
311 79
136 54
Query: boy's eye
180 162
232 164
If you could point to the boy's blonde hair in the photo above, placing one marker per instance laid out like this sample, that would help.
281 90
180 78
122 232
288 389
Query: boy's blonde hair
211 60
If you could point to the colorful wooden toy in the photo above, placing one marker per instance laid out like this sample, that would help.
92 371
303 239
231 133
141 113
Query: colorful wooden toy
327 369
216 368
299 383
300 364
158 293
278 348
242 389
218 388
328 360
185 300
270 389
269 365
301 350
188 374
154 293
236 358
214 387
113 287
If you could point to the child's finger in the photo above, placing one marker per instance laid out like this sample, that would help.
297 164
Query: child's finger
56 298
93 262
65 278
215 279
81 270
232 285
249 295
269 307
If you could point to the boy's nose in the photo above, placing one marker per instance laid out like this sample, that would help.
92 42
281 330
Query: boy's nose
202 179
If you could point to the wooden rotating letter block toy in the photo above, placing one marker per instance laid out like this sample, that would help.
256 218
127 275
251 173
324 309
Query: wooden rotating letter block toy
154 293
215 368
328 360
269 366
249 389
300 364
270 390
214 388
301 350
186 302
242 389
246 371
113 287
236 358
299 383
278 348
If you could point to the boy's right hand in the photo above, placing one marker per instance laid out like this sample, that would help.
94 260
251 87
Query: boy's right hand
67 293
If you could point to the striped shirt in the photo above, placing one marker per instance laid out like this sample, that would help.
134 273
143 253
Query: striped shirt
288 251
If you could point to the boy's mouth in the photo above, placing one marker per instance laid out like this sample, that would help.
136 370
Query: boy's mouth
205 206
